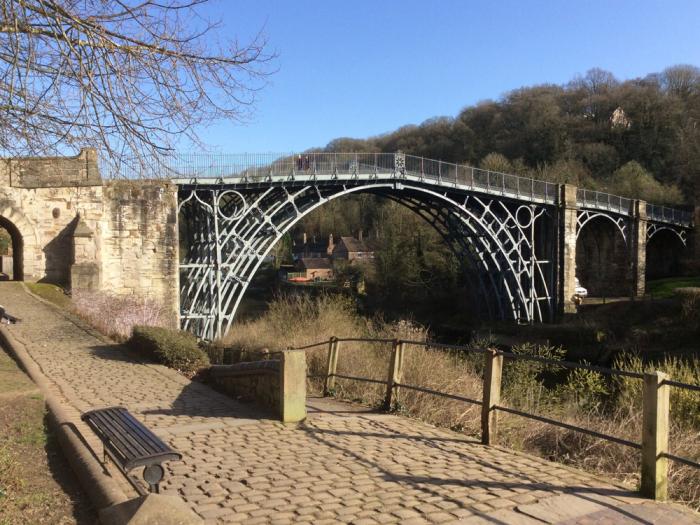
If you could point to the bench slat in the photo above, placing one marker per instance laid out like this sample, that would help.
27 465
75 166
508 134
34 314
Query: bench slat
156 443
118 438
131 444
129 427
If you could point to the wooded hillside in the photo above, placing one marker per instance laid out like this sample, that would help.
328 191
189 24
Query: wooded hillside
638 138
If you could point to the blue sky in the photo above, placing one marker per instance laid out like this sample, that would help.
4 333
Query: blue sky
361 68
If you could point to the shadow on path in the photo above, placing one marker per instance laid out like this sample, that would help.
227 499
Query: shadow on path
427 484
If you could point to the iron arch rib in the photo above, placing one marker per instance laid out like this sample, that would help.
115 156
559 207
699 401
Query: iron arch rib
227 244
448 229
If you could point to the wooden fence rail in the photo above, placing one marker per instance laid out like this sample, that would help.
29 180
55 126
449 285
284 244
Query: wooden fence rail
654 445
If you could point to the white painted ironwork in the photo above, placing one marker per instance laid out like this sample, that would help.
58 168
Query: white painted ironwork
585 216
653 228
234 210
224 250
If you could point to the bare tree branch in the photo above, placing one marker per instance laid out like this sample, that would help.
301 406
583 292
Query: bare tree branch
128 77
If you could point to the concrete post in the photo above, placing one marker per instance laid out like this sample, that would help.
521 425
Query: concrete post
332 366
395 374
638 248
568 215
293 386
655 418
491 397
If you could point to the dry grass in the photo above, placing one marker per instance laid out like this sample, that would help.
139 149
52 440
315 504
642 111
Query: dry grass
581 398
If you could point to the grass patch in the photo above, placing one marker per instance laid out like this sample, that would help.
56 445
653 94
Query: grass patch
50 292
36 483
664 288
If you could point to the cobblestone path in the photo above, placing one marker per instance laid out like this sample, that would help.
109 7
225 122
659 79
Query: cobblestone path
343 465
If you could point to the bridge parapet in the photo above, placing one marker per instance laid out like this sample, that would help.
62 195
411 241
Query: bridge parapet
319 167
283 168
597 200
604 201
53 172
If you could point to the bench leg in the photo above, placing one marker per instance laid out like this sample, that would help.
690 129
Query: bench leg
153 474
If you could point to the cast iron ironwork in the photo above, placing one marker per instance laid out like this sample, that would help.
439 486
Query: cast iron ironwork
504 229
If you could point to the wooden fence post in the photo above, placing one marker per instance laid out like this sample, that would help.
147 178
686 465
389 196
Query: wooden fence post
491 396
655 436
395 374
332 366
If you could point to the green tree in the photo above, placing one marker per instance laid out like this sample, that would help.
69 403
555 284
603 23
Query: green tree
632 180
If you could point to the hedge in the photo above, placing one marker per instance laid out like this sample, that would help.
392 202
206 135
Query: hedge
173 348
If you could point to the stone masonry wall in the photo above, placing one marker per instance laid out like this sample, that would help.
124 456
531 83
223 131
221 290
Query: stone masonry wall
47 216
116 236
139 242
257 381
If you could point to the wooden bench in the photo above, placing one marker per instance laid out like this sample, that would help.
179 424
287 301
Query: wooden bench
130 445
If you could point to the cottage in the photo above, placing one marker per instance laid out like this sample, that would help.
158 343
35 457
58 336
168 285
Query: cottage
315 268
352 249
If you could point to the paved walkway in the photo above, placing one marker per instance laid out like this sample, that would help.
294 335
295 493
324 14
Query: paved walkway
344 465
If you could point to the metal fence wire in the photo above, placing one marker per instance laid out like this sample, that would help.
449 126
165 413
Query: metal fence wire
393 382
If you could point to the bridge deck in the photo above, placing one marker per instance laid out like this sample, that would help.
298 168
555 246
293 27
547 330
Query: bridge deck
343 465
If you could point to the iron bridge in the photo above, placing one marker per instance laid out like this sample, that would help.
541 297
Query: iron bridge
505 230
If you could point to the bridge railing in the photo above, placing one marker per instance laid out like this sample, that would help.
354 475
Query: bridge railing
272 166
654 439
670 215
603 201
262 167
492 182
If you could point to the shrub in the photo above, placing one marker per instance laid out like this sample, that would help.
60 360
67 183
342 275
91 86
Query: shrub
523 380
174 348
684 402
690 304
116 316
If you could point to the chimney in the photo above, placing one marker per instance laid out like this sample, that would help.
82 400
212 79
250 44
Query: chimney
359 235
329 251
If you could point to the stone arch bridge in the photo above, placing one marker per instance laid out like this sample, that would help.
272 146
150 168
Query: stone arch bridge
192 231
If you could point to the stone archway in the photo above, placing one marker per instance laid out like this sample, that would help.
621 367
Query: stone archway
16 270
25 244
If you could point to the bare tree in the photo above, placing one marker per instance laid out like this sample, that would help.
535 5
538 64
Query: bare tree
130 77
